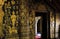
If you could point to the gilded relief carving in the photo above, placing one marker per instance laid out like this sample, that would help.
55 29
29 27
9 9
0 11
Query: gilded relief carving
12 30
32 24
2 13
8 5
1 16
12 2
1 19
13 18
24 19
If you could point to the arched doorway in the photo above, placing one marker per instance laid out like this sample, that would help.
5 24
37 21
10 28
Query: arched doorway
42 24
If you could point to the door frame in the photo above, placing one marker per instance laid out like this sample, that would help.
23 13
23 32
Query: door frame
48 23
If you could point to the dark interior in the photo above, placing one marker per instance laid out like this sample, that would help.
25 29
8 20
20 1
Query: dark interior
44 24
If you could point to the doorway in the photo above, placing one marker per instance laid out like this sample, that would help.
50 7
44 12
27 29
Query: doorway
42 24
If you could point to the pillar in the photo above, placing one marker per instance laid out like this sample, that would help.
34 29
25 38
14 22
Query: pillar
32 24
24 19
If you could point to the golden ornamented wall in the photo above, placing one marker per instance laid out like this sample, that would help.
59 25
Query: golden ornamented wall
24 19
32 24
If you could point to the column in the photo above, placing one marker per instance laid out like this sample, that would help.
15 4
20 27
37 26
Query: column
24 23
32 24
